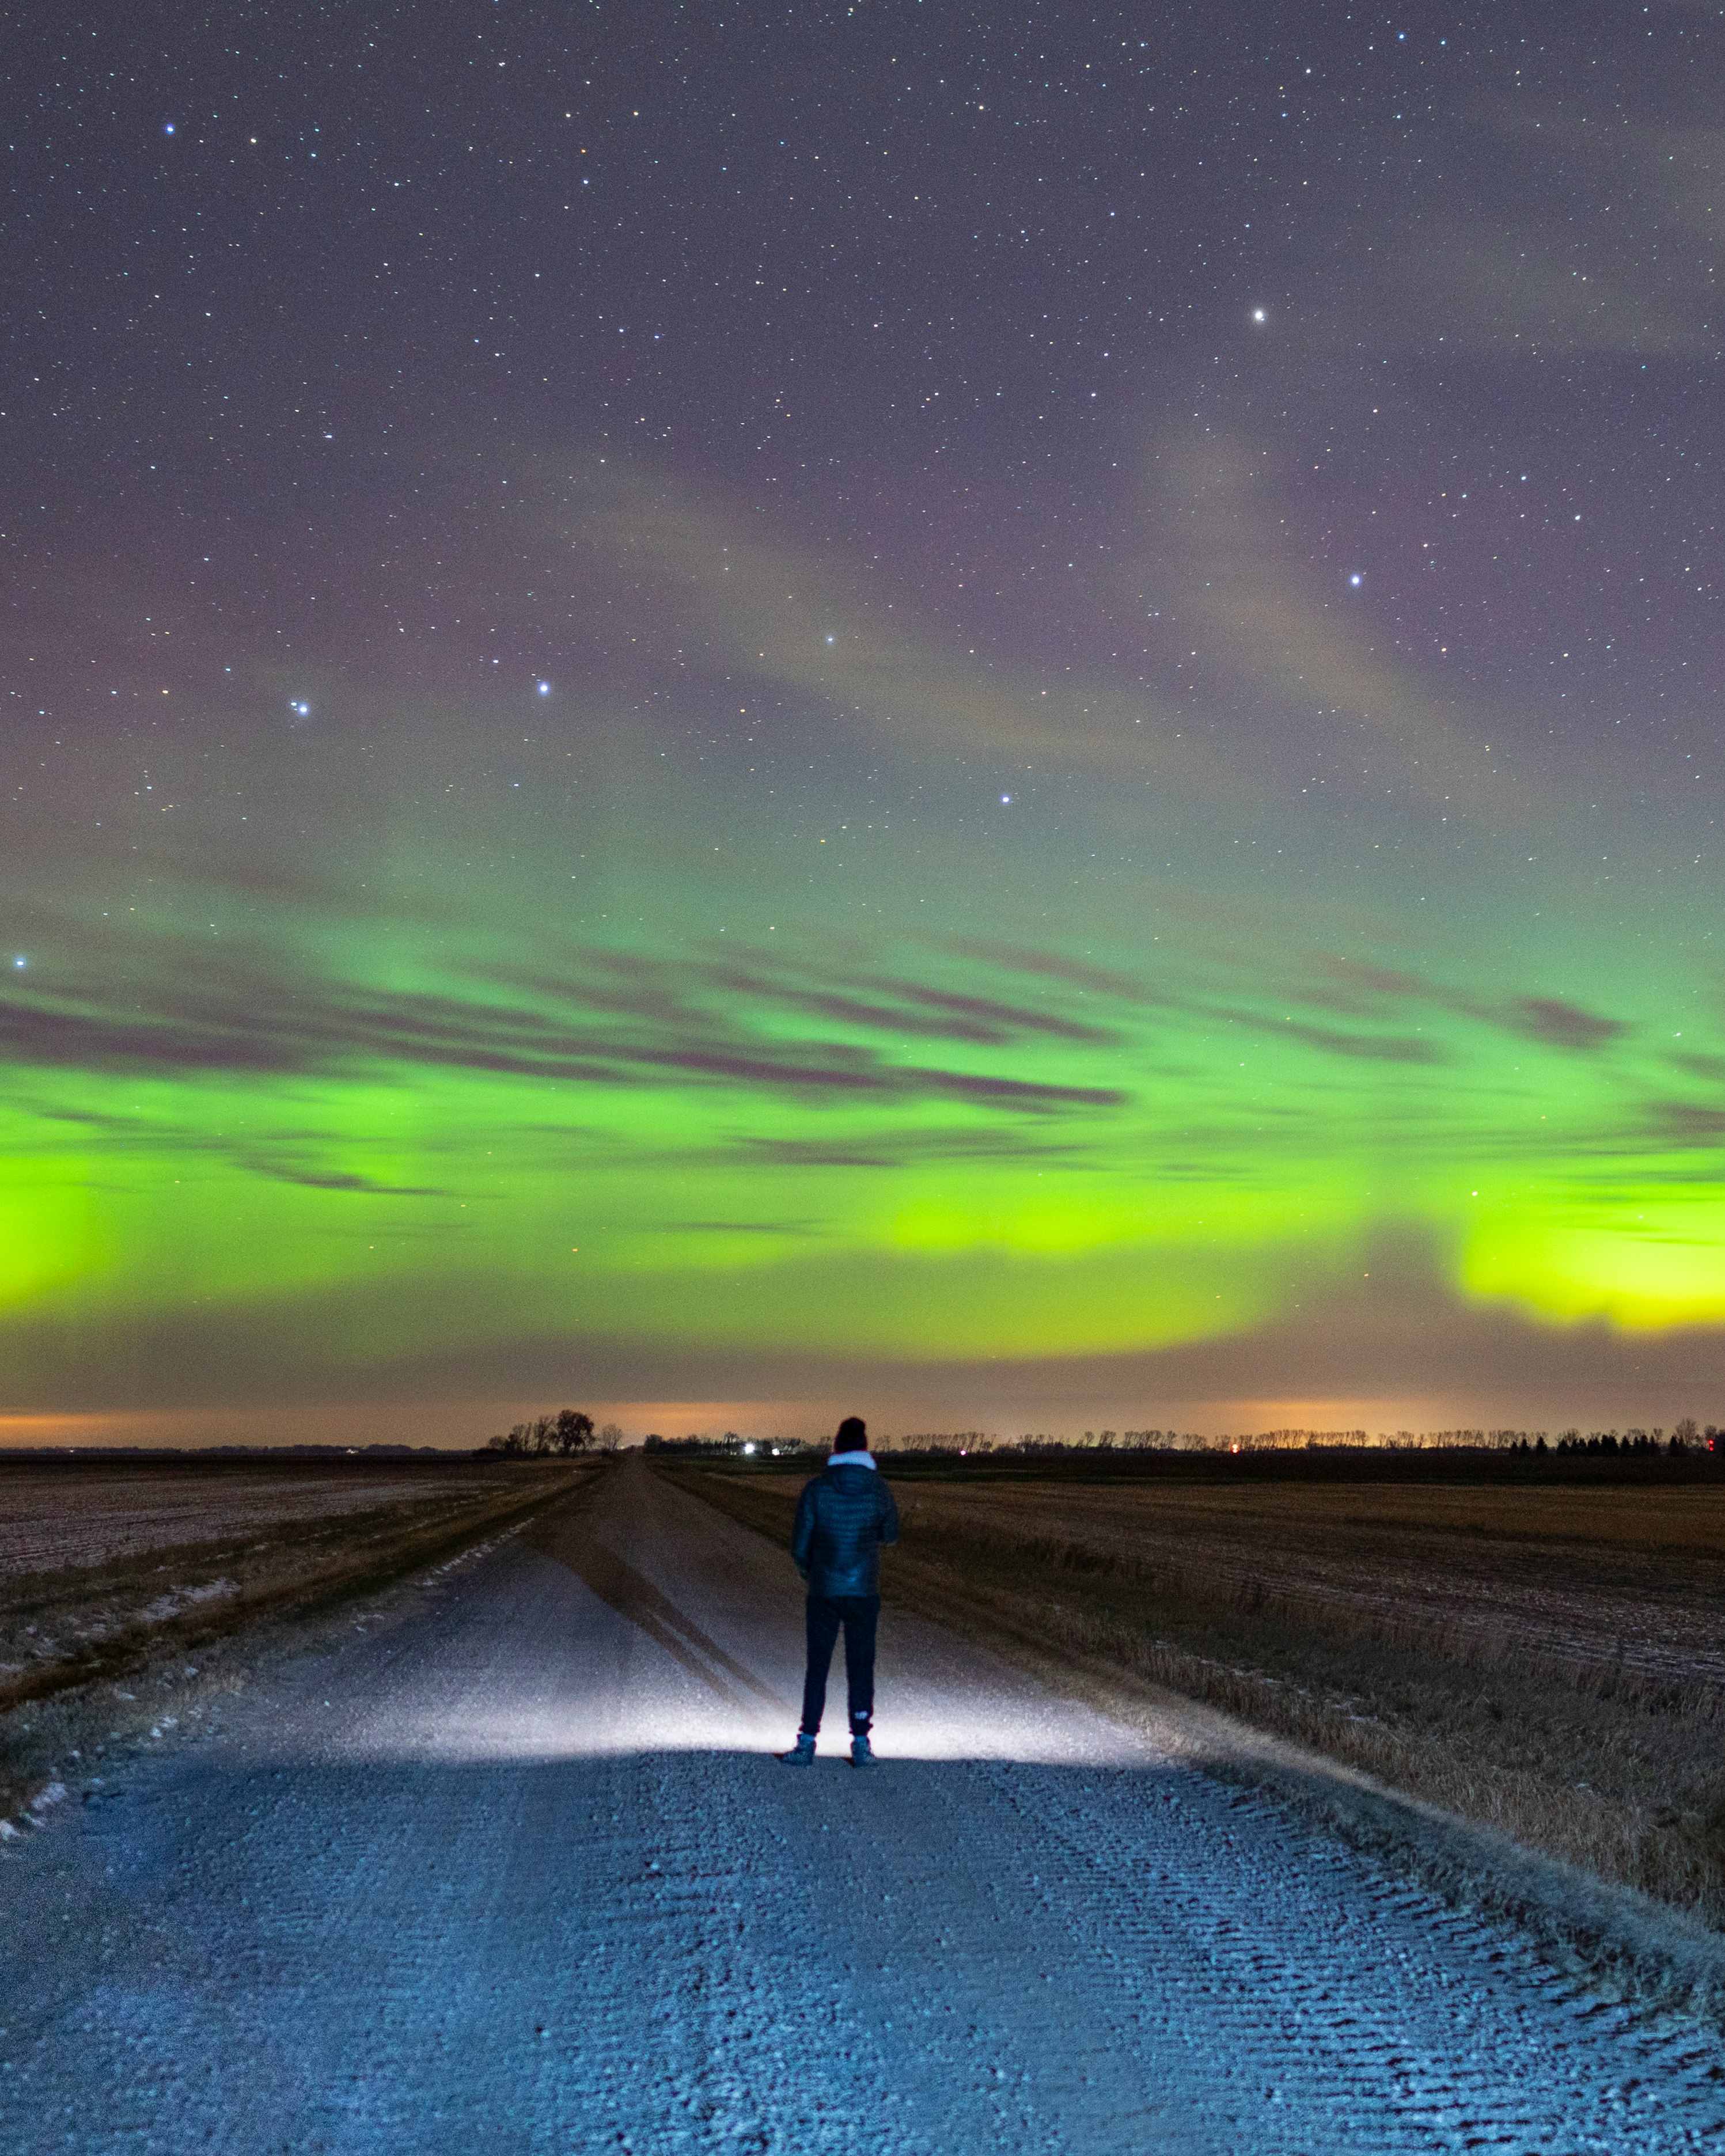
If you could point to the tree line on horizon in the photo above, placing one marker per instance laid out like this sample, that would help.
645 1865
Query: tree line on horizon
1687 1436
570 1433
561 1436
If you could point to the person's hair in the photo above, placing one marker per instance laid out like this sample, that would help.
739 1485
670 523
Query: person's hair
853 1435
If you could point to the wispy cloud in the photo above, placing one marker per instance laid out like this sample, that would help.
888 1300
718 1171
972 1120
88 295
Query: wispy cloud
829 626
1260 625
642 1025
1544 223
1557 1024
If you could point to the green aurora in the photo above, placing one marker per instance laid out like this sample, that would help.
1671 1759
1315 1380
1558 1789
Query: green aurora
443 1026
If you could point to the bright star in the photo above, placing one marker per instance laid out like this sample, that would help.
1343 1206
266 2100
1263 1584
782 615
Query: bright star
19 960
545 688
1004 799
1260 314
169 129
1356 580
304 710
832 639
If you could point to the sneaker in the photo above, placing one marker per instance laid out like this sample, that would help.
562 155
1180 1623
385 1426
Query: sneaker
801 1753
860 1755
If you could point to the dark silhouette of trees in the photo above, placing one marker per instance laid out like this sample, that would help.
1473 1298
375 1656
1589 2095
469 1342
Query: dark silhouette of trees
547 1436
573 1431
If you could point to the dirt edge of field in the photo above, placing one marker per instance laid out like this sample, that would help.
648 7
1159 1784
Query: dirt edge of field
54 1729
1621 1945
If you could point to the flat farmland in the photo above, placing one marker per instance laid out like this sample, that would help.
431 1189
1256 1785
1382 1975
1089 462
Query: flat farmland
1547 1660
57 1519
1595 1579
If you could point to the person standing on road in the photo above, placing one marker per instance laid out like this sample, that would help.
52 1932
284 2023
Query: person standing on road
843 1518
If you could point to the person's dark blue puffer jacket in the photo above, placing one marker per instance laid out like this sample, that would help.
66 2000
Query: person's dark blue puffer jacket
843 1517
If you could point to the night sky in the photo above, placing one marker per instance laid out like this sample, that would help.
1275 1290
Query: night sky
1004 717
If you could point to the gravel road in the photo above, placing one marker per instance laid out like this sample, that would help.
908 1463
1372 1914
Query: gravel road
514 1870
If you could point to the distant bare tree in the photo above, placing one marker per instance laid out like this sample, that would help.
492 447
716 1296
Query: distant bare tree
572 1431
610 1436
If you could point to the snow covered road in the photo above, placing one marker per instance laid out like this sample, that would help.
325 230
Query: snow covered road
523 1874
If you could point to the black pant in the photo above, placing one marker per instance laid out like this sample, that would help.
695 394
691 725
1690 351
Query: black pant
857 1613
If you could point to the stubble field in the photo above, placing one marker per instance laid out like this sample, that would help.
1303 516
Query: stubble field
70 1516
1544 1660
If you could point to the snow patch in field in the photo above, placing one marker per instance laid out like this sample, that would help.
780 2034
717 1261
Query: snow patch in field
178 1599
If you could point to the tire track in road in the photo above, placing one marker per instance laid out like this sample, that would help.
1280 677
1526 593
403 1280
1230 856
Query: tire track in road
887 1926
1353 2012
744 2045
